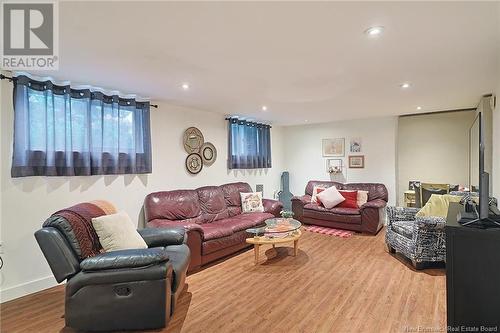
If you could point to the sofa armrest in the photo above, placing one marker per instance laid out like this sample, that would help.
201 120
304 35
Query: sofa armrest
373 216
430 222
163 236
193 239
272 206
132 258
377 203
164 223
298 203
401 214
302 199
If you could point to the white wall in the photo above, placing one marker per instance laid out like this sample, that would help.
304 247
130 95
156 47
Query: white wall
433 148
27 202
304 160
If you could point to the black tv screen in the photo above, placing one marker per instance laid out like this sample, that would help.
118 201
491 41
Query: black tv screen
474 153
478 178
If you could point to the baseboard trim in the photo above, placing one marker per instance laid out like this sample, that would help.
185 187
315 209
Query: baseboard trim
27 288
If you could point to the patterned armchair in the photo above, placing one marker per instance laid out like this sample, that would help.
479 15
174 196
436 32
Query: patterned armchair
420 239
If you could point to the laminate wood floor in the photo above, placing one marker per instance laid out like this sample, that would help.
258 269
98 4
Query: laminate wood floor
333 285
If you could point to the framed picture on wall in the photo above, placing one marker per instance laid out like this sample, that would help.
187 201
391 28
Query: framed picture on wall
334 147
355 145
357 161
412 184
334 165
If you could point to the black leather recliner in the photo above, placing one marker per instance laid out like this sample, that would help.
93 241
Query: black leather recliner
119 290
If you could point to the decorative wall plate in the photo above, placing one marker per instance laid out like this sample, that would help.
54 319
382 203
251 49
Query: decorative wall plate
208 153
194 163
193 140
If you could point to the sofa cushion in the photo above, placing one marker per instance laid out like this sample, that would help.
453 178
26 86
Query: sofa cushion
232 196
232 192
343 215
310 185
375 190
335 210
403 228
345 211
215 230
245 221
212 203
172 205
218 244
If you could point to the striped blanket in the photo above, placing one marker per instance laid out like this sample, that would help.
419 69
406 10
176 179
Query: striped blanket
79 218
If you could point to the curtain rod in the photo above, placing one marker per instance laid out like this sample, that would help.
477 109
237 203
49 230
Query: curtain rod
255 122
3 77
12 79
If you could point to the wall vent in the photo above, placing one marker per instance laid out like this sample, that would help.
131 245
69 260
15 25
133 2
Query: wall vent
259 188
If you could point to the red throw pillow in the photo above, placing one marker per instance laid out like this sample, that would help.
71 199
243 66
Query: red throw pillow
318 191
351 199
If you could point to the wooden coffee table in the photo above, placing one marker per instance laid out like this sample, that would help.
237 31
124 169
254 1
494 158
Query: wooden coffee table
267 235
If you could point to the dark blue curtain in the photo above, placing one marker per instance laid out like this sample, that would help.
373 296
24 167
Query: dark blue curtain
60 131
249 144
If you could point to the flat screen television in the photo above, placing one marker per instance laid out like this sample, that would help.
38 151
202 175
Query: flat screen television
478 176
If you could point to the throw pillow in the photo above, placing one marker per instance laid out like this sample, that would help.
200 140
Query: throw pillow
437 205
362 198
317 189
117 232
251 202
351 199
330 197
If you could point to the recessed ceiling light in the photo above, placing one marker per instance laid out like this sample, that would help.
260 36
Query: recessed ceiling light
185 86
374 31
305 120
264 108
419 108
405 85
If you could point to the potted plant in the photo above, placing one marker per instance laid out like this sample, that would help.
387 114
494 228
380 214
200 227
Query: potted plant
286 214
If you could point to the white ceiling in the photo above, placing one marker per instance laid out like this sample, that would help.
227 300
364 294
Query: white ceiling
306 61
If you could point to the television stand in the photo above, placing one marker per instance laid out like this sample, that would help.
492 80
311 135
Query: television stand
472 271
472 218
483 223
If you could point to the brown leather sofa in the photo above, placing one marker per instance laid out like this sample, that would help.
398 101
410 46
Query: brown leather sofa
212 217
368 218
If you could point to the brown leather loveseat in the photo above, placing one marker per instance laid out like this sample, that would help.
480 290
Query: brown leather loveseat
368 218
212 217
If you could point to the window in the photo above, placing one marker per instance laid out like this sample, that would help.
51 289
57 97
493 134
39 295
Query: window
60 131
249 144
